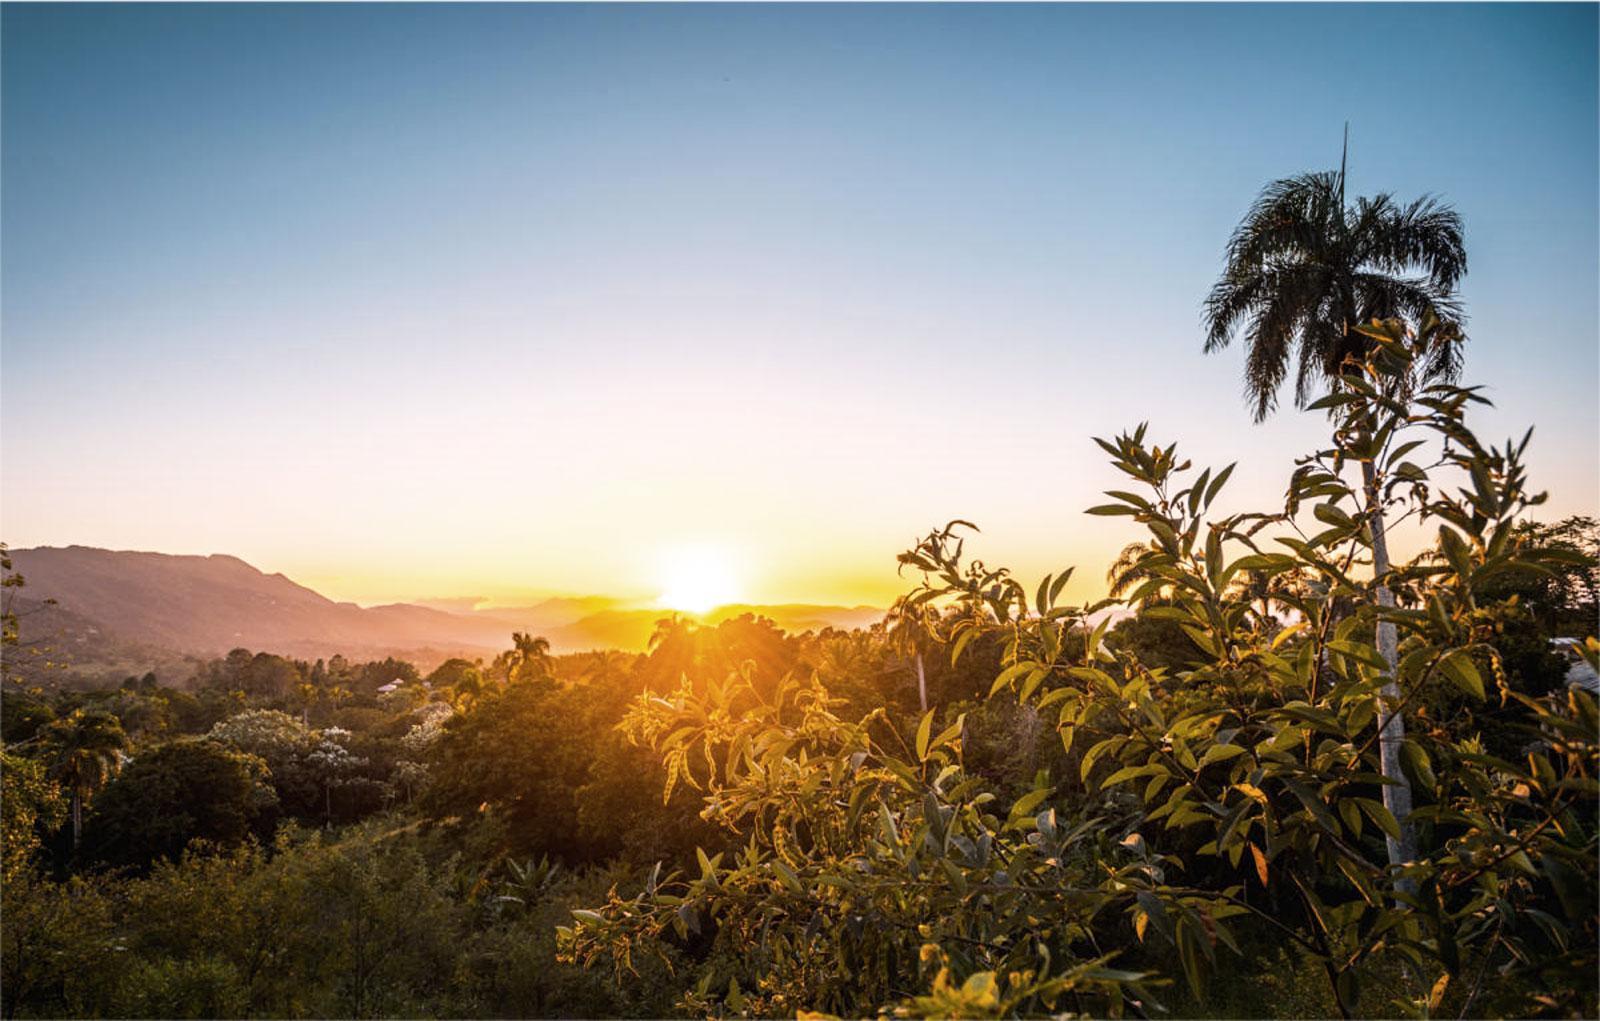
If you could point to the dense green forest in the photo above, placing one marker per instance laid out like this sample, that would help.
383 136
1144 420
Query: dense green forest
1275 773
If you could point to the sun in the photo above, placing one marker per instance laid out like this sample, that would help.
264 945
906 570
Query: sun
696 579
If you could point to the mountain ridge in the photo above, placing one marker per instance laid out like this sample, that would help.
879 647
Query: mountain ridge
206 604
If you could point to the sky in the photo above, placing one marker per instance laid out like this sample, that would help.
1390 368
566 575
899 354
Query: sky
425 301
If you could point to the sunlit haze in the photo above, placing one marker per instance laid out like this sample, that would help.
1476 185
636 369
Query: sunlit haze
698 578
705 304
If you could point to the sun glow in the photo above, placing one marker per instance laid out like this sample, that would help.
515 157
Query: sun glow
696 579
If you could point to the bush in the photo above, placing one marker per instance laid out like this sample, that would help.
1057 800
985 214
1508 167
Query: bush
179 793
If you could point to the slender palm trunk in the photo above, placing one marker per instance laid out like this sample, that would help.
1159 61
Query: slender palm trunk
922 683
77 818
1391 726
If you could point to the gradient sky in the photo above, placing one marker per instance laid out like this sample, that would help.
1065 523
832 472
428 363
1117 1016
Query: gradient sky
411 301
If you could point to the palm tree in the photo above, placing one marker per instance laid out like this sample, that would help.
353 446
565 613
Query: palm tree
308 694
529 659
86 751
1304 270
1132 568
911 631
1257 587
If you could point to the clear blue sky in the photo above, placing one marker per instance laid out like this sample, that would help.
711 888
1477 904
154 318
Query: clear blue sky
437 300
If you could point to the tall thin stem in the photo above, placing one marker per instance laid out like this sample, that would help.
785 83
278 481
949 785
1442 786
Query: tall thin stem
1391 725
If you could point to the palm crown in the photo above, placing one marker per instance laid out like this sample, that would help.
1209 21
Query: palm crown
1304 268
87 748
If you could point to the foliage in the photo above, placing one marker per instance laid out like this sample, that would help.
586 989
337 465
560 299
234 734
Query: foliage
364 926
55 947
1156 640
861 846
31 804
462 678
520 752
181 792
1564 598
314 772
1240 794
1269 760
23 714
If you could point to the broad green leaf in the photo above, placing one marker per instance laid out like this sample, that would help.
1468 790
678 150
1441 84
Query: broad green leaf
1458 666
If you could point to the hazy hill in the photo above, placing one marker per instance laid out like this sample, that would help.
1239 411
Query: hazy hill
206 605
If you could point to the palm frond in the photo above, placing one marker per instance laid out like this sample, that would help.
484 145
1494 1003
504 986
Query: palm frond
1302 269
1424 235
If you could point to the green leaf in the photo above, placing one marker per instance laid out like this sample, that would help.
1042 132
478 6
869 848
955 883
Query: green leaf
1331 514
1164 532
1198 491
961 644
1349 985
1010 674
1029 801
1127 773
1190 954
1057 585
1131 498
1458 666
1415 758
1031 685
1220 753
1382 817
1094 753
949 733
889 832
1350 812
1218 482
1359 652
786 874
924 731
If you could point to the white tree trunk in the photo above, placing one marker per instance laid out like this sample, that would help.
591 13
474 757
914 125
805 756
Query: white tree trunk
922 684
1391 727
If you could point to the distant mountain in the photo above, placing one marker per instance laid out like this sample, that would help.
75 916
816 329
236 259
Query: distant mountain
556 610
207 605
